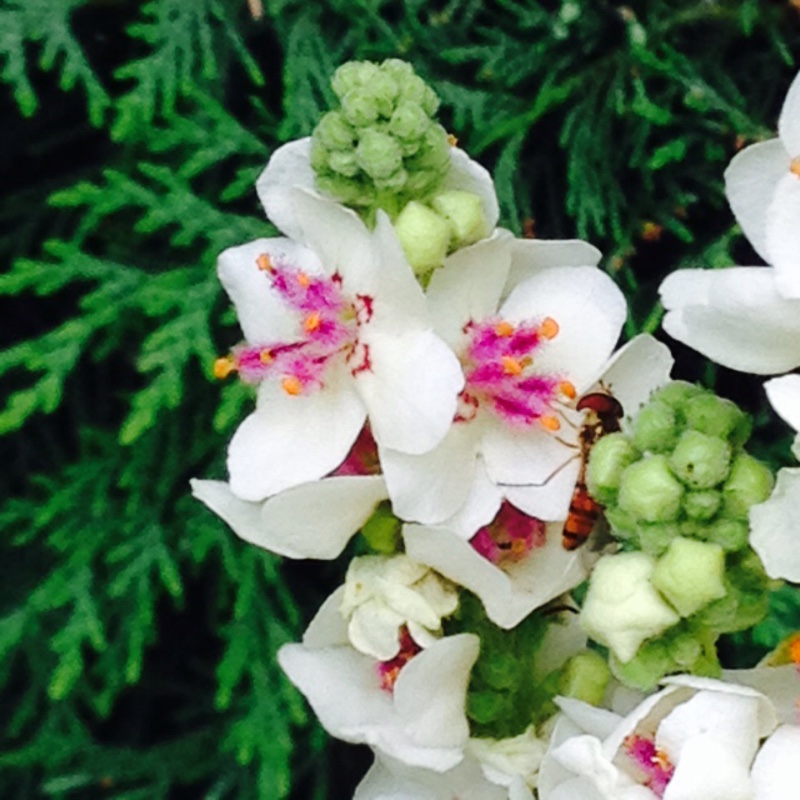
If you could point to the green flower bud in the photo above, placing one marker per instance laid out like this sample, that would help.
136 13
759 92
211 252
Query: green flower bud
424 235
415 90
382 530
623 525
717 416
434 152
649 491
499 670
360 108
353 75
750 482
702 504
654 538
610 455
646 669
690 575
655 428
349 191
676 394
334 132
585 677
464 212
701 461
378 154
487 707
409 121
344 163
729 534
319 156
684 650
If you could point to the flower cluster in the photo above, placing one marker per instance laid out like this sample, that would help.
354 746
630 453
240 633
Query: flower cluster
453 396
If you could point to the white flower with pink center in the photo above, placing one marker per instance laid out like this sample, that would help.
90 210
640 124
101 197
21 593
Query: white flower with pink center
532 333
336 333
410 707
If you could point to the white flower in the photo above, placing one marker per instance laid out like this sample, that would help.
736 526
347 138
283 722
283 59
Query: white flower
525 357
382 594
290 167
698 738
411 708
337 332
763 188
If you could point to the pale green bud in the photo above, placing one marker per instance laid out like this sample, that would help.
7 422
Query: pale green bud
610 455
424 235
382 530
334 132
409 121
585 677
349 191
684 650
655 537
729 534
622 609
702 504
352 75
649 491
750 482
717 416
393 183
690 575
415 90
360 108
655 428
622 523
643 672
701 461
677 394
378 154
343 162
434 152
464 212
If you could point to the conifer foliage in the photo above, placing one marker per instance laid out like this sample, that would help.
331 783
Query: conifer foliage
137 636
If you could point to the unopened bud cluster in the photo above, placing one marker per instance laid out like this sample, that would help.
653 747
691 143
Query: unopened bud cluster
677 490
382 148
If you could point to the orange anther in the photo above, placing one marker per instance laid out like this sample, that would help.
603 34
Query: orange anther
795 166
312 322
265 357
291 385
511 366
303 279
549 328
504 328
567 389
223 367
263 263
550 423
451 140
794 649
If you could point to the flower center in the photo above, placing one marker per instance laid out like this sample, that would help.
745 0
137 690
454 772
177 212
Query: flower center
499 367
328 324
389 671
653 763
509 537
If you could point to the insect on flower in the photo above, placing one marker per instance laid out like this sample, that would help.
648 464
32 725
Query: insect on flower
603 417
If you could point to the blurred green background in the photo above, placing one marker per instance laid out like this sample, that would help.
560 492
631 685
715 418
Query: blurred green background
137 634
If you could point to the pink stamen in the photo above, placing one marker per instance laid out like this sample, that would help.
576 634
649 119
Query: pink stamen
509 537
328 326
653 763
499 371
362 458
389 671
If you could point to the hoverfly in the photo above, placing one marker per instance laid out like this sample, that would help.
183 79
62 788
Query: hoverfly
603 417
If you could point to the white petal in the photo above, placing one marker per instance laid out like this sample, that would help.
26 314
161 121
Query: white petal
469 176
775 528
523 456
783 234
411 389
789 120
291 440
750 182
551 500
774 772
263 315
481 506
586 718
318 519
709 770
374 630
329 627
433 486
242 516
289 166
784 396
636 370
735 317
731 719
468 286
430 692
529 256
780 684
589 309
